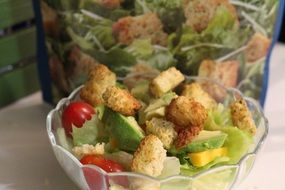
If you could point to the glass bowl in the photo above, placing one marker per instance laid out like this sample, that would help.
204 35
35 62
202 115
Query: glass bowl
223 177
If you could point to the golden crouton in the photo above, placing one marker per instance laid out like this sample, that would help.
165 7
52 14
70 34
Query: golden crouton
149 157
82 63
111 4
186 135
127 29
121 100
257 47
186 112
226 73
88 149
199 13
100 78
242 117
163 129
166 81
195 91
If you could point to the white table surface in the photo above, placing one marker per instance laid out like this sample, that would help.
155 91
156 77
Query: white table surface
27 161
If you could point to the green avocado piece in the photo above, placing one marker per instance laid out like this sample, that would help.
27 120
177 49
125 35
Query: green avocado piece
206 140
161 102
124 130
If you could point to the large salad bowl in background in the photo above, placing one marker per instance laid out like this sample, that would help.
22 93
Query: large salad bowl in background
232 37
223 177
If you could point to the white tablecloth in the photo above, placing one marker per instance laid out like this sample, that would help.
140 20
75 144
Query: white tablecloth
27 161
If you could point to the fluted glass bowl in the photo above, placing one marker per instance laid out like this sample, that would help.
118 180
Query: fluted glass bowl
218 178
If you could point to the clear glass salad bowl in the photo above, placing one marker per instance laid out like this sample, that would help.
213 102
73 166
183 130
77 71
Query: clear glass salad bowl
223 177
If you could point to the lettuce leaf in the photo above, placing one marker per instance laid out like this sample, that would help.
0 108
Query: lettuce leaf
218 117
153 55
112 14
87 134
238 142
63 140
169 12
188 169
219 38
171 167
117 59
89 30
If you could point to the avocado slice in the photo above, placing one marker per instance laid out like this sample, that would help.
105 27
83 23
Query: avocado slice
161 102
206 140
124 130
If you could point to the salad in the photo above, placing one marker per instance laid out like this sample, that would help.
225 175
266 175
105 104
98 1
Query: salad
226 40
157 124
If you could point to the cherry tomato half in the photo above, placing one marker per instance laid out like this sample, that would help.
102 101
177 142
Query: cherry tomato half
95 179
100 161
76 113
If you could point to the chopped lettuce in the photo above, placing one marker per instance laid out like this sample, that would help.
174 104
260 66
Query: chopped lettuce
100 111
190 170
89 30
169 12
87 134
141 91
117 59
217 117
154 55
63 140
218 38
238 142
171 167
112 14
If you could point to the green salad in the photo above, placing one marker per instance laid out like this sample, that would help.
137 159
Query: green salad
159 125
226 40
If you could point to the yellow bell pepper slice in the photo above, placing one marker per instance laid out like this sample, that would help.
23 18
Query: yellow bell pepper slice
201 159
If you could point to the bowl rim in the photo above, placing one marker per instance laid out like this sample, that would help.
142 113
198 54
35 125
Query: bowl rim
260 143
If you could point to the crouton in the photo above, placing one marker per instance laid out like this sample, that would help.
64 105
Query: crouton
163 129
149 157
166 81
186 135
87 149
127 29
242 117
110 4
195 91
82 63
100 77
257 47
121 101
199 13
226 73
186 112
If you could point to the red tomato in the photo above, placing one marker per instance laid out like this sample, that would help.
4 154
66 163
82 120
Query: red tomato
76 113
100 161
